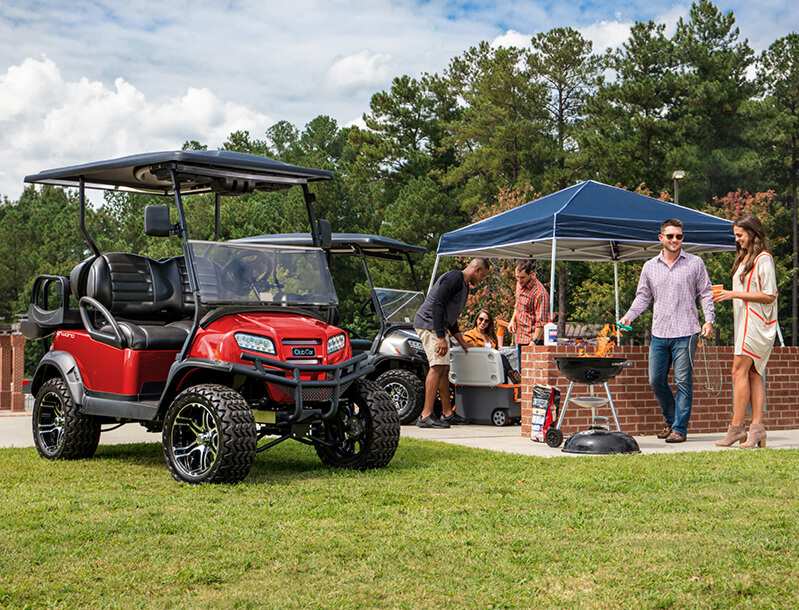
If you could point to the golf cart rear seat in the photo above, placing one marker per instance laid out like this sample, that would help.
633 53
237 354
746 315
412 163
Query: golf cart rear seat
148 304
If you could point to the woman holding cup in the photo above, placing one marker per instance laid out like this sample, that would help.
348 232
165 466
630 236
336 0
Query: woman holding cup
754 297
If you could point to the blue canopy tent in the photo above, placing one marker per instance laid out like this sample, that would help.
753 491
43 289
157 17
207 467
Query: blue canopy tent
589 221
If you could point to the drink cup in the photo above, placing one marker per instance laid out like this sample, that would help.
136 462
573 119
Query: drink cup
716 288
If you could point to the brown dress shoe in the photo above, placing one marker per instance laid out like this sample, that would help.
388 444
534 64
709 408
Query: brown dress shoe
665 432
675 437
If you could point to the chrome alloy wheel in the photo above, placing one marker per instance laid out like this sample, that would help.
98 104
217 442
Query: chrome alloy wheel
398 394
50 422
195 440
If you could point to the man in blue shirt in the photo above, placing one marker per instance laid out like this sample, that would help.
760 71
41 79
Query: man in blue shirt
436 318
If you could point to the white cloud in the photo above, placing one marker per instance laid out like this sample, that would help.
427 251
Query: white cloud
671 17
603 35
222 64
357 122
47 121
362 70
606 34
512 38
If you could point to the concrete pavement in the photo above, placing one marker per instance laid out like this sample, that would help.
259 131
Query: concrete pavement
15 431
508 440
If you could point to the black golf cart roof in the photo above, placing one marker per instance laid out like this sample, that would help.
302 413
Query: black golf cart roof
199 171
342 243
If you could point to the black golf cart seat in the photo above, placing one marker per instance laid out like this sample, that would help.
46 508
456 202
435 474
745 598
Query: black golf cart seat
150 301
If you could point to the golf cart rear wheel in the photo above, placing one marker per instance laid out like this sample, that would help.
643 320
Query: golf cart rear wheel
60 432
499 417
365 431
209 436
554 437
406 392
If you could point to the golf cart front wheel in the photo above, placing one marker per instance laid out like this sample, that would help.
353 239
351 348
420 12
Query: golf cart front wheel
406 392
554 437
365 431
60 432
209 436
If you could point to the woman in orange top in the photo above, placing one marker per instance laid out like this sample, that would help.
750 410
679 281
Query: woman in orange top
483 333
754 295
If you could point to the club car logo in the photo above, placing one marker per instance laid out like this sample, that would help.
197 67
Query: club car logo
303 352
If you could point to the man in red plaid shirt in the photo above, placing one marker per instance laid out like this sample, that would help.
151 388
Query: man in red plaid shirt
532 307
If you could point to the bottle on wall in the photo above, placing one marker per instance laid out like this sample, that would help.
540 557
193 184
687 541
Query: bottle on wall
550 334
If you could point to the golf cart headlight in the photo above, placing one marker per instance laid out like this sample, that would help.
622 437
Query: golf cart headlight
415 345
335 344
255 343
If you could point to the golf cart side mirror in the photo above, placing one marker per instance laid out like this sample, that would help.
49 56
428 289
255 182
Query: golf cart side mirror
325 234
156 221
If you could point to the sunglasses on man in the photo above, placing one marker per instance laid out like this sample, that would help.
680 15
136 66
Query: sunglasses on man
677 236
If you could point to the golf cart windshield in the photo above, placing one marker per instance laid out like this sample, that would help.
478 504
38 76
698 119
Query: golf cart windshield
256 274
399 306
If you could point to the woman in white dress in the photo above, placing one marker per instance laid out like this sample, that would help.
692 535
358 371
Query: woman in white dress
754 297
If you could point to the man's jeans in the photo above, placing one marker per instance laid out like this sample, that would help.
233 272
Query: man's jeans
663 353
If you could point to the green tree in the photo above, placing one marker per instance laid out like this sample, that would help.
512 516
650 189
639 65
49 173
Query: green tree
629 129
778 73
563 62
709 110
500 138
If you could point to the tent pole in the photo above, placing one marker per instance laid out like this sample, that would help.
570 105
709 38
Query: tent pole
433 275
616 297
552 281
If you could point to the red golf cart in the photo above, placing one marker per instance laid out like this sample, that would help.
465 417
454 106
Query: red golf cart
228 349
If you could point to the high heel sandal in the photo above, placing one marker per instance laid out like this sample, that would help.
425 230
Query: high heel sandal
756 437
734 435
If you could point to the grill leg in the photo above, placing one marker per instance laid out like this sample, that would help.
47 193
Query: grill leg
612 407
565 402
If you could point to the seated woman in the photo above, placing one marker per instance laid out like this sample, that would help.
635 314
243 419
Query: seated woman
484 335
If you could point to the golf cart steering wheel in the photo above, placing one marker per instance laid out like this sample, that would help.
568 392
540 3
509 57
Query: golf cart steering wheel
367 304
253 270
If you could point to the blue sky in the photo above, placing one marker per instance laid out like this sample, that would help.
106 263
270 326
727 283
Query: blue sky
84 80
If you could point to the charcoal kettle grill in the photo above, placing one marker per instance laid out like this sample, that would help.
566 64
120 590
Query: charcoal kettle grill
598 439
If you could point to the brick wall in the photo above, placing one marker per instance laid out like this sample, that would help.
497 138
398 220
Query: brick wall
12 365
638 410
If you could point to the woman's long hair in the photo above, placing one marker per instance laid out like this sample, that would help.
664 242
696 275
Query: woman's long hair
490 330
757 244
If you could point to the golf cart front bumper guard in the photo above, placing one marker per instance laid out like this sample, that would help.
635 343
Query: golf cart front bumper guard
343 374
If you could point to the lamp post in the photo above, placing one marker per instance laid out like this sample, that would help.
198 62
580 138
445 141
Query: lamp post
677 175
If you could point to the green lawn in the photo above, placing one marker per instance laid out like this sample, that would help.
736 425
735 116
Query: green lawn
441 527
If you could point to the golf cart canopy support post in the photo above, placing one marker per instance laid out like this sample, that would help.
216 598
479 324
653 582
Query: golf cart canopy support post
217 213
82 199
194 285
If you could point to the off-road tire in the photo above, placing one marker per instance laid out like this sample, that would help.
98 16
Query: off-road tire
80 433
380 434
235 431
411 386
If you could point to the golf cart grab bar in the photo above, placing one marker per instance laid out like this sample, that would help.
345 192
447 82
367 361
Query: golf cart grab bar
358 371
311 368
117 339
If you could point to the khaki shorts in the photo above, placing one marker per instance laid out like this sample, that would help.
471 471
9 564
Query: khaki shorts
429 341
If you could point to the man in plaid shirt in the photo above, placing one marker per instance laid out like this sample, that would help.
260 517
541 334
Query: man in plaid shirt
532 307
